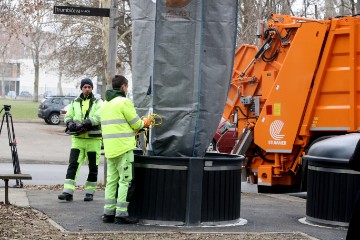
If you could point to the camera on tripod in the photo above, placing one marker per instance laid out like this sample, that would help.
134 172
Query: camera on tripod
7 108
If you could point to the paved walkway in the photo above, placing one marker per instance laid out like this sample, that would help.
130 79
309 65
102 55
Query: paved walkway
260 213
43 152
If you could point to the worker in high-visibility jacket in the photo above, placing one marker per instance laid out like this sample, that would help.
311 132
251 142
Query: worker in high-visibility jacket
119 122
83 123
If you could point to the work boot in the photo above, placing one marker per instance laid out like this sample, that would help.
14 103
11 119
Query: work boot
126 220
88 197
65 196
108 218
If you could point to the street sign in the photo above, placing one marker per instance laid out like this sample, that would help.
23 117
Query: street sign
84 11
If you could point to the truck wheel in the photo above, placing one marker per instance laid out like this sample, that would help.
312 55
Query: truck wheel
212 146
278 189
54 119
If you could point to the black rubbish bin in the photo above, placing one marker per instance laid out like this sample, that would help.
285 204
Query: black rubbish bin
187 190
332 185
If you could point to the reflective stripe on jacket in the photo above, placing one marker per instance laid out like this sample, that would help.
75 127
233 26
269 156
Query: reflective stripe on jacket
119 120
77 110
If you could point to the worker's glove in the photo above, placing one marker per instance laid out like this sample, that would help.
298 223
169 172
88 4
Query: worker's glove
71 126
147 122
87 123
80 126
80 129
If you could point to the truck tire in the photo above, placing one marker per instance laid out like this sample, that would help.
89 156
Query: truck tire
212 146
279 189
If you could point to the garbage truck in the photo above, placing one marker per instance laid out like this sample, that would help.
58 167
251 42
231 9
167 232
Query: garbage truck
301 86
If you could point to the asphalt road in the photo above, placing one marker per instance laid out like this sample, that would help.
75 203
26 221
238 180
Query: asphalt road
43 151
37 142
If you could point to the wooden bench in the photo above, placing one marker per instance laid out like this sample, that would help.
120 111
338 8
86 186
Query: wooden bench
7 177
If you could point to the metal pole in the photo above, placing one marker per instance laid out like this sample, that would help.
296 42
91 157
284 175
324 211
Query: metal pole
113 30
7 191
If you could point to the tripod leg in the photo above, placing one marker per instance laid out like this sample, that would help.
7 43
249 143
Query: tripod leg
2 122
12 144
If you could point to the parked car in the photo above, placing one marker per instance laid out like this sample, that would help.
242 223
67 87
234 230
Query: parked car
49 108
11 94
63 112
25 94
224 138
47 94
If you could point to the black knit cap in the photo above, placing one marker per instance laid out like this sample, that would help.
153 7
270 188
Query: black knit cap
86 81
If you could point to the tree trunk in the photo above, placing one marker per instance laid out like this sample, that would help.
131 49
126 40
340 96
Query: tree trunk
36 82
329 9
59 85
2 68
352 4
305 8
342 8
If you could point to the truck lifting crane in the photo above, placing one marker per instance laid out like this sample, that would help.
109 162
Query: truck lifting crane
301 86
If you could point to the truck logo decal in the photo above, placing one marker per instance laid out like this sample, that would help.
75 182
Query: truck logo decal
275 130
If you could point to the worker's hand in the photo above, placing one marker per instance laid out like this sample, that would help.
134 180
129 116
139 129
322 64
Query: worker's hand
79 126
71 126
147 122
86 123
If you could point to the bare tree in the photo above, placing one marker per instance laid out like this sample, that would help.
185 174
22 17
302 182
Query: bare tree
3 55
5 39
82 41
78 44
27 22
330 10
124 34
251 11
76 47
347 7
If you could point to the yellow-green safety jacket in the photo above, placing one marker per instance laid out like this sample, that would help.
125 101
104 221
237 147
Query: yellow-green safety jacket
77 112
119 121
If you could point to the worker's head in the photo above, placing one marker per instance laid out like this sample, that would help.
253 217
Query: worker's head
119 82
86 86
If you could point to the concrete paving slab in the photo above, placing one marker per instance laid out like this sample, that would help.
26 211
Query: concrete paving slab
17 197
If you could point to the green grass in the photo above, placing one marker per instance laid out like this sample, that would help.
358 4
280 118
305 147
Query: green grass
21 110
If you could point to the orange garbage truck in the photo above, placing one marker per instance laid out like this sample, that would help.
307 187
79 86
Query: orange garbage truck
302 85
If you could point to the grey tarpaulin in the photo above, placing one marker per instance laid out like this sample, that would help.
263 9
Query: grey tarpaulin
193 44
143 23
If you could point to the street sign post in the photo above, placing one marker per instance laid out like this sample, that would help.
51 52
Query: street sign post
84 11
